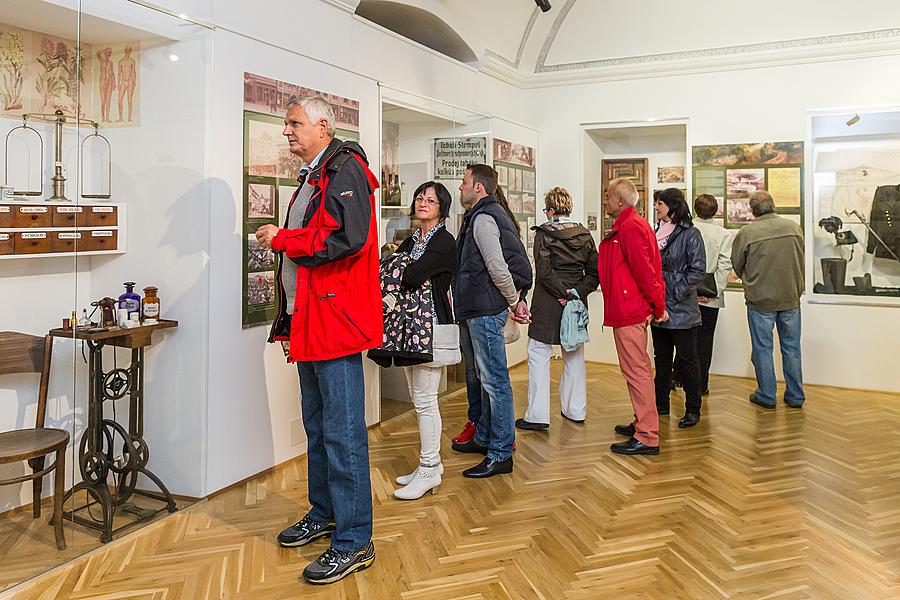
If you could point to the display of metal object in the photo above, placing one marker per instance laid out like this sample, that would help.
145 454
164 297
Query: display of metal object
26 127
59 120
108 165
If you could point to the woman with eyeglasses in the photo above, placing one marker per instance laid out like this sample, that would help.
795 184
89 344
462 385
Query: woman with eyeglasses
432 250
565 264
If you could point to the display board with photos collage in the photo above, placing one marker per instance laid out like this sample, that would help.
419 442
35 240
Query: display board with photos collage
732 172
269 180
516 174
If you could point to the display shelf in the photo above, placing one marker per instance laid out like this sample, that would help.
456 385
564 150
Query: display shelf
62 254
43 233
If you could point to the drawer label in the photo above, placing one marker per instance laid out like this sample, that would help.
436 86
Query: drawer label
102 209
4 237
69 235
4 209
68 209
101 234
34 235
32 209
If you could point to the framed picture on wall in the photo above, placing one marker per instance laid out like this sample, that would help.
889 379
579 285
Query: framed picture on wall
633 169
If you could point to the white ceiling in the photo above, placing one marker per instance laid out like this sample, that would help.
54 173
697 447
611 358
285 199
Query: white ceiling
514 39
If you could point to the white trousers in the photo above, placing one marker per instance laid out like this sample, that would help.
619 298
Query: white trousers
572 387
423 389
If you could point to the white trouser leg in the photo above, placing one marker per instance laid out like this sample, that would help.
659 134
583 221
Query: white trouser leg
573 387
538 382
423 389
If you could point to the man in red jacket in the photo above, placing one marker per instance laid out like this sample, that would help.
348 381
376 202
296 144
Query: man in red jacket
634 295
329 311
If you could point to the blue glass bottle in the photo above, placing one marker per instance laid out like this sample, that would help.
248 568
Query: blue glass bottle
129 300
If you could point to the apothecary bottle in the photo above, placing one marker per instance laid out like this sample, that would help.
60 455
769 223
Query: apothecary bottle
150 307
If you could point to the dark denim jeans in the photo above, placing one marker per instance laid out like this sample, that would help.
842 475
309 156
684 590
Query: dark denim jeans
332 396
473 384
495 428
788 324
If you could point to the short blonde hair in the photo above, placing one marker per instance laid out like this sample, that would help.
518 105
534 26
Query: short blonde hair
624 189
559 200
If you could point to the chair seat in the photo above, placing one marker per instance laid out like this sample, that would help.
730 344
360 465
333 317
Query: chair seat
22 444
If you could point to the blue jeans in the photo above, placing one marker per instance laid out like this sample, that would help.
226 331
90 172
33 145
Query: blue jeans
473 384
495 428
333 400
788 324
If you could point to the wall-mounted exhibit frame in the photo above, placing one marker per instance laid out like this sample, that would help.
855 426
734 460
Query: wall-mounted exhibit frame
853 239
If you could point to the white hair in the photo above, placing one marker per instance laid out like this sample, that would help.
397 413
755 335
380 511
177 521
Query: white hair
316 109
624 189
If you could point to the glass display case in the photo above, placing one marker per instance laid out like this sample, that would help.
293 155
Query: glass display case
855 212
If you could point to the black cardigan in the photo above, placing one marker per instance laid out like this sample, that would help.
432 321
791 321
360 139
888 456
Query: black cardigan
438 264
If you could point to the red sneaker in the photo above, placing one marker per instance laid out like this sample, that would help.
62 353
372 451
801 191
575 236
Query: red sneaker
467 433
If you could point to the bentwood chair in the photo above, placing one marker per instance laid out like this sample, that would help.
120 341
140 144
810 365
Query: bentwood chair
22 353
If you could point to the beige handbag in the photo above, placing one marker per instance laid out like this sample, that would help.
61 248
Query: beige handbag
510 329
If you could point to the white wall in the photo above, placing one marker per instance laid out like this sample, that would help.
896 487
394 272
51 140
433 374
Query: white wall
848 346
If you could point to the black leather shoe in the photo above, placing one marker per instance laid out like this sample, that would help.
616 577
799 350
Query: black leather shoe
489 467
470 447
304 531
626 430
794 404
523 424
688 420
632 447
755 400
573 420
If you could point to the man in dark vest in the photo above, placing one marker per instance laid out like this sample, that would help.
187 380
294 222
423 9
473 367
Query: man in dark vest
493 279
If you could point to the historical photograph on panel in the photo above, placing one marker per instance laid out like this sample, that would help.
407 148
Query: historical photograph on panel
741 183
270 96
260 288
764 153
528 183
739 212
528 206
257 256
268 154
260 201
501 175
670 175
515 202
785 186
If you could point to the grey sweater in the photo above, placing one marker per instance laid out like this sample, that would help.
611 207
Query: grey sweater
487 238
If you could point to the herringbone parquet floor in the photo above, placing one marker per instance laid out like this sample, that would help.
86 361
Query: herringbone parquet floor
750 504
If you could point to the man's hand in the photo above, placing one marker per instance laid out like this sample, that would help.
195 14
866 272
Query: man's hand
265 234
663 318
565 300
521 314
702 299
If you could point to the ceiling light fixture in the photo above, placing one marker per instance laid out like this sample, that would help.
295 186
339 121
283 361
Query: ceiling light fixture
544 5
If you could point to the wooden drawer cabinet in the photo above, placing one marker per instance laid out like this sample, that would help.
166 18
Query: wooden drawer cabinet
32 216
100 216
32 242
100 239
66 241
6 216
7 243
68 216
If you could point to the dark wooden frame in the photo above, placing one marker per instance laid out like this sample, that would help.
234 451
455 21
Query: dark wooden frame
22 353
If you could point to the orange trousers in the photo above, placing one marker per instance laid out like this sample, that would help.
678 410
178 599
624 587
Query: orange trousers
634 361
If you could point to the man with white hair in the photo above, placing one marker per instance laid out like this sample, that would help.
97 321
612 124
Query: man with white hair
634 295
329 312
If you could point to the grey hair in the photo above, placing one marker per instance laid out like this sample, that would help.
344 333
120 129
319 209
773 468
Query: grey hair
316 109
624 189
761 203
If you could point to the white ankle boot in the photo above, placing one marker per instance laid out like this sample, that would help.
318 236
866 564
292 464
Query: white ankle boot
406 479
426 479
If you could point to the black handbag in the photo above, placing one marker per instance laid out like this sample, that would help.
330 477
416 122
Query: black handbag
707 287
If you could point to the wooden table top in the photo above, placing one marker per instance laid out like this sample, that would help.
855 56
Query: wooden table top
127 337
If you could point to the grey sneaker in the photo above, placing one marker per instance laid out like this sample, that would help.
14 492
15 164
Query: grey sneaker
304 531
334 565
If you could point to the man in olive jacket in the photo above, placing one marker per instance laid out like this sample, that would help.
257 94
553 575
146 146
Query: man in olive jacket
768 256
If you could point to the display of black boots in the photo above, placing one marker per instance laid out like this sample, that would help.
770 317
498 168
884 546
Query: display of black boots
864 285
834 272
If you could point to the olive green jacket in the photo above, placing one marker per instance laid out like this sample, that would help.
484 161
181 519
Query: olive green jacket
768 256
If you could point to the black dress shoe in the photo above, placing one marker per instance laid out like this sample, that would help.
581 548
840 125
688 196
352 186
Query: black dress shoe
633 447
489 467
688 420
570 419
523 424
755 400
470 447
626 430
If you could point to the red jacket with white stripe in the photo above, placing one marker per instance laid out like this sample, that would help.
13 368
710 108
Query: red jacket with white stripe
630 269
337 311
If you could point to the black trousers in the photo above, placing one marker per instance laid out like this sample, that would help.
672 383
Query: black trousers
705 334
665 343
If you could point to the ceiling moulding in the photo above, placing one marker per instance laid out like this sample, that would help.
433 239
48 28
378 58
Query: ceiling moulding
345 5
826 49
525 35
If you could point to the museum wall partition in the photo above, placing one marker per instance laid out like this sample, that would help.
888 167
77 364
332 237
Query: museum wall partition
103 227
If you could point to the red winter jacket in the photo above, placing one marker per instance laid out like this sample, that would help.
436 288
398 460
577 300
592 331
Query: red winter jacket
337 311
630 270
